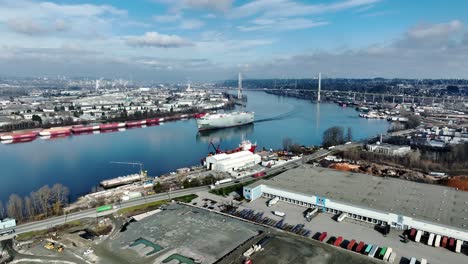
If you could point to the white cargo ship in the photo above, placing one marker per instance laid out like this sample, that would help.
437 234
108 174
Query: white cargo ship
216 121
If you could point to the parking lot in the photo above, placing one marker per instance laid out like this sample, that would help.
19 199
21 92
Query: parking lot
350 229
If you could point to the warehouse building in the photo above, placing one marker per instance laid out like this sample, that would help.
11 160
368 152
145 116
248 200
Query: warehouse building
233 161
401 204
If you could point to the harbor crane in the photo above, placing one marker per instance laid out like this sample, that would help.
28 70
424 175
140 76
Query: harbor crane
142 172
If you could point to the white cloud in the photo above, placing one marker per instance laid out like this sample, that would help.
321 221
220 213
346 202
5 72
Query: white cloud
42 18
288 8
191 24
155 39
437 30
214 5
281 24
25 26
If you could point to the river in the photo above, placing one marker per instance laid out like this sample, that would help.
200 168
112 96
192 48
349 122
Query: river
81 162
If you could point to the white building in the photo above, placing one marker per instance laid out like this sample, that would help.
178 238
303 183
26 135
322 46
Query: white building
232 162
432 209
389 149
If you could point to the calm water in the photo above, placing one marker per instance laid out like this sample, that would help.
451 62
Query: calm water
81 162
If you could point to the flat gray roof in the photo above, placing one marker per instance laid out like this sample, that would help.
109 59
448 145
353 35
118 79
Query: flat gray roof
433 203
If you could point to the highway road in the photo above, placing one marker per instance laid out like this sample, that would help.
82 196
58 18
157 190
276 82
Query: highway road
90 213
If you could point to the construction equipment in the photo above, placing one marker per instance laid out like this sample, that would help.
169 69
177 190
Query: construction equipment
60 248
49 246
143 173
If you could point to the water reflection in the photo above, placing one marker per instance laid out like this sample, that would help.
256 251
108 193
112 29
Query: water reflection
220 135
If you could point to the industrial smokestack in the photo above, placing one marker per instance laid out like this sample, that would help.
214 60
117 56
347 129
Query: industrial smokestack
319 86
239 91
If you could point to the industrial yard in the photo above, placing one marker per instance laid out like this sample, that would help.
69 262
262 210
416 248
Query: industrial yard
193 233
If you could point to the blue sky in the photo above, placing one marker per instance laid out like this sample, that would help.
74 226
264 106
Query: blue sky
214 39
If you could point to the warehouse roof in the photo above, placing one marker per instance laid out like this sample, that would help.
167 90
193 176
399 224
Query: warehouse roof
434 203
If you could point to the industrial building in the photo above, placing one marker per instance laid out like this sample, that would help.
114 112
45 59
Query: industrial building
388 149
233 161
433 209
7 223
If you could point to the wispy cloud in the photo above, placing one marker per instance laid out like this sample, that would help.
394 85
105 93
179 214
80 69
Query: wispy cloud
191 24
281 24
288 8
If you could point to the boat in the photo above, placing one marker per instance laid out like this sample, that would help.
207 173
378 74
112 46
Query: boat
19 136
135 123
243 146
217 121
199 115
81 129
15 141
111 126
55 132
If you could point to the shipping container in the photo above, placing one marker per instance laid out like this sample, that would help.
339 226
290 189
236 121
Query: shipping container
452 243
342 217
322 236
458 246
412 260
444 242
437 241
373 251
279 213
430 240
382 252
338 241
368 249
359 247
418 235
103 208
351 244
392 257
413 233
273 201
387 254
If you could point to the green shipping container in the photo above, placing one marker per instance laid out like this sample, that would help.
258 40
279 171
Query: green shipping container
103 208
382 252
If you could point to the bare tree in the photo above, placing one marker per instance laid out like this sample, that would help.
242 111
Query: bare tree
29 207
349 135
43 196
287 143
333 136
60 196
15 207
2 210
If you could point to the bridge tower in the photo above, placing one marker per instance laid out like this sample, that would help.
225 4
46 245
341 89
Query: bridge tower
319 86
239 90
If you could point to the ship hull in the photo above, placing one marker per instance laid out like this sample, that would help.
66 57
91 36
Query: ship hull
225 121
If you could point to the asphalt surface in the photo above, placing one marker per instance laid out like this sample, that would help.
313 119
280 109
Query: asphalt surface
89 213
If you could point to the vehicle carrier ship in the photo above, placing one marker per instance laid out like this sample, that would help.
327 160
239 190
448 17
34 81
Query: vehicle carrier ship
217 121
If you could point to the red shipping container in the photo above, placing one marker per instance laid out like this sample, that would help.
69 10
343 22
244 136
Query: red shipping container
338 241
444 242
323 236
359 247
351 244
452 243
413 232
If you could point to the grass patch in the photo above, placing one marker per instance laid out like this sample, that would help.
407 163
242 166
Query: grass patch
229 189
31 234
186 198
138 209
41 233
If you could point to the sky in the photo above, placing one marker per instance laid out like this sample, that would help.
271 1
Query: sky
191 40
